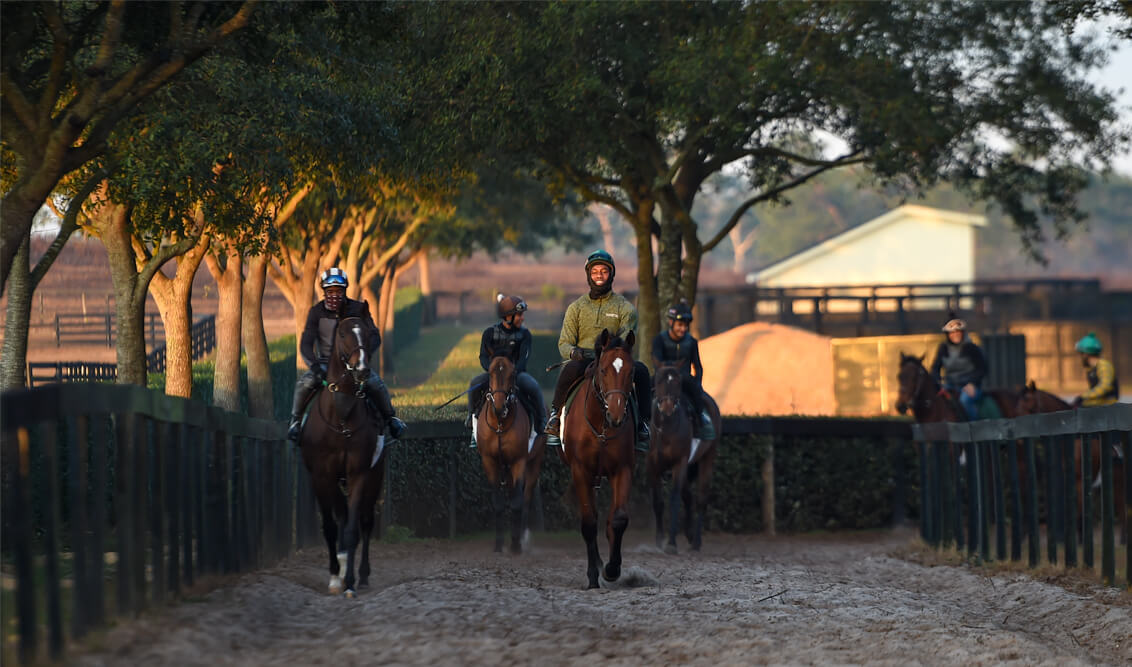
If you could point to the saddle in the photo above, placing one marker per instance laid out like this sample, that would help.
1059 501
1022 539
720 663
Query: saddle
988 408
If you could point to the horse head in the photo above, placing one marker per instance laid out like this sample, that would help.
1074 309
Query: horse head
349 367
501 384
613 376
1032 401
915 382
668 388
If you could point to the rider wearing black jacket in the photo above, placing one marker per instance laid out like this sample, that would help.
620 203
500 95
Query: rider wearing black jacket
678 346
511 339
318 340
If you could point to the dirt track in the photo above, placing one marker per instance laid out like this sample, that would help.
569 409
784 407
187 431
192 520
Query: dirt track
744 600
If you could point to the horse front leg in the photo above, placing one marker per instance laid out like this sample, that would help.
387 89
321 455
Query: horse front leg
620 485
326 508
584 489
703 477
498 508
351 531
656 483
368 519
517 505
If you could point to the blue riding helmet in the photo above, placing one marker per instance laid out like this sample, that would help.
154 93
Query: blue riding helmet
334 277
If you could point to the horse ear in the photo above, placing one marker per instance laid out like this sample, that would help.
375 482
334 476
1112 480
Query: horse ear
603 339
629 340
921 358
1032 386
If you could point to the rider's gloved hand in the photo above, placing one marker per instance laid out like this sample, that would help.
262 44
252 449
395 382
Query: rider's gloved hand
577 354
319 371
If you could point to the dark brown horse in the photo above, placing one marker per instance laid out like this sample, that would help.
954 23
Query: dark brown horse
512 456
673 448
597 440
920 393
1031 401
341 450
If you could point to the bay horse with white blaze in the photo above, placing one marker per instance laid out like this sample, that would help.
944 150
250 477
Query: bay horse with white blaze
512 456
341 449
672 448
598 437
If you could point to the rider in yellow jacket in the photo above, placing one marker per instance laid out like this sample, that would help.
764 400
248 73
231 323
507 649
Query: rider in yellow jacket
601 308
1103 387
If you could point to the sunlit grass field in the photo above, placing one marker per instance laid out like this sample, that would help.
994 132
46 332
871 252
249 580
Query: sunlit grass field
453 354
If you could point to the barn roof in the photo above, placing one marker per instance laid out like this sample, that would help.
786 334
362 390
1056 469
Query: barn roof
860 232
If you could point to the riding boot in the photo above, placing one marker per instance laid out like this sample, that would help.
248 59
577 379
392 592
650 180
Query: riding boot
551 431
379 394
706 427
304 389
469 423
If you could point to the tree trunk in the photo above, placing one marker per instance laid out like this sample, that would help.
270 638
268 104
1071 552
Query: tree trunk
13 361
112 223
261 399
427 302
669 267
174 302
17 211
373 302
227 270
602 214
388 289
648 310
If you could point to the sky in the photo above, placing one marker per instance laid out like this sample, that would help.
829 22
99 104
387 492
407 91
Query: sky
1116 76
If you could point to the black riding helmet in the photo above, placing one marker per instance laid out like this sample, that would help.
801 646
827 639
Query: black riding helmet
680 313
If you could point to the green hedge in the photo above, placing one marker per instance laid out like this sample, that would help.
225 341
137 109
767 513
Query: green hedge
821 484
408 309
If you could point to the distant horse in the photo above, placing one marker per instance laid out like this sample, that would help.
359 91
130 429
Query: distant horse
671 449
1032 400
920 393
340 449
511 459
598 437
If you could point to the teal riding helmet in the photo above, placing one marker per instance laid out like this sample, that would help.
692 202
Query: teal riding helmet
1089 344
601 257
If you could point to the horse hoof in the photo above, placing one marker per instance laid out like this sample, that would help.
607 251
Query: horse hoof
525 543
612 573
335 585
350 594
670 549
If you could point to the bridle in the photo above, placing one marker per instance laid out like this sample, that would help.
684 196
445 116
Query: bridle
509 399
357 373
669 375
603 397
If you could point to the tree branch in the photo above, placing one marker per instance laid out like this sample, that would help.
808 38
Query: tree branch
163 254
769 194
16 101
69 226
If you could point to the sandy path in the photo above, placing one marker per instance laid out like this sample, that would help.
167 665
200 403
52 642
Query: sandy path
743 600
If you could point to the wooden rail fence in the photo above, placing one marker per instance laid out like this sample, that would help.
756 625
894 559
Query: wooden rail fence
1006 492
141 494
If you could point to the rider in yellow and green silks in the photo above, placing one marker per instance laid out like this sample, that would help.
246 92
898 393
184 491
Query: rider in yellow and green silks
1100 373
600 309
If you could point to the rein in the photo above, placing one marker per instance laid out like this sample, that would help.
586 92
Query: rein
600 435
356 373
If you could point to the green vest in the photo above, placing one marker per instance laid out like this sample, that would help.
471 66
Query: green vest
586 317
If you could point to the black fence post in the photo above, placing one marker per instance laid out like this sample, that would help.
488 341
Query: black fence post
1054 504
1108 546
1086 495
1069 499
124 507
48 433
1016 514
994 450
1034 539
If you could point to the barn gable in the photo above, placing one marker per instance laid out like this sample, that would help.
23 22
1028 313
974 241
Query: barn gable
909 244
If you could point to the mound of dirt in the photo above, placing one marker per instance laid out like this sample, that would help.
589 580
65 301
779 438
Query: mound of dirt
769 369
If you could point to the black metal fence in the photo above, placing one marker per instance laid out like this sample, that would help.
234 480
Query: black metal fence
129 496
202 337
1027 472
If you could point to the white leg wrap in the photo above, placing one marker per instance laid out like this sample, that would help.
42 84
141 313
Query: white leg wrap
376 455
